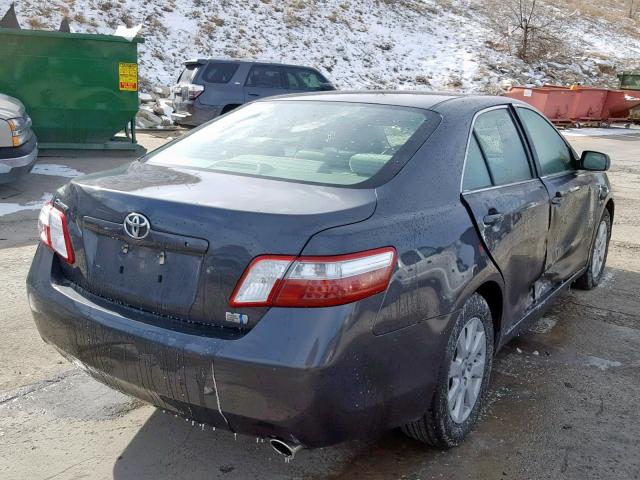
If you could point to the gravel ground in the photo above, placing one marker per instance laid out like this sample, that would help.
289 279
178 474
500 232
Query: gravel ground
563 400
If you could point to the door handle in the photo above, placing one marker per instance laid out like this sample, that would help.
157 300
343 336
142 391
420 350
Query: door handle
253 94
560 194
493 218
557 199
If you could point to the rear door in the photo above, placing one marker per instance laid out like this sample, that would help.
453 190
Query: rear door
509 204
264 81
573 197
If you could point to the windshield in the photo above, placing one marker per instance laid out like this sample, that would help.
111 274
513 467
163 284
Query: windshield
331 143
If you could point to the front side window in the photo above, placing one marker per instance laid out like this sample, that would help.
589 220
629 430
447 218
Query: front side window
219 72
265 76
502 147
304 79
335 143
553 153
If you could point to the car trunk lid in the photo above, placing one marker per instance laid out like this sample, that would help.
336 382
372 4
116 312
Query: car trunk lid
205 228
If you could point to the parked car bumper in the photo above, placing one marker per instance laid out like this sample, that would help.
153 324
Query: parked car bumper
313 376
193 114
16 161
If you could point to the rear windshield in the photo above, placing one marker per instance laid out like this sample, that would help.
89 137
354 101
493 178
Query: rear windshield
219 72
188 73
331 143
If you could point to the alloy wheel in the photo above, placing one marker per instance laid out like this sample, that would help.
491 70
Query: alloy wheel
599 250
466 371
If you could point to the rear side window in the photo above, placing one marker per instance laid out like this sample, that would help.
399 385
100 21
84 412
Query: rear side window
331 143
476 174
553 154
188 73
265 76
304 79
219 72
502 147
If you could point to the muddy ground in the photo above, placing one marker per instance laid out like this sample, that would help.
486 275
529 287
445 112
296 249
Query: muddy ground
564 398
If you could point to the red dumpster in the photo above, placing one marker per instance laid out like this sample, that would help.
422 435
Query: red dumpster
588 104
618 105
555 102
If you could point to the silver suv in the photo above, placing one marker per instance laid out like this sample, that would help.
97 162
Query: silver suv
207 88
18 145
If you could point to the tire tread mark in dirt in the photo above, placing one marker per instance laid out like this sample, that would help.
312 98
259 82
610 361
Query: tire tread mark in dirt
50 477
601 409
609 310
565 461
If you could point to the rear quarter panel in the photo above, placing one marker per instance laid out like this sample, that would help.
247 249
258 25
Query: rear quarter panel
420 213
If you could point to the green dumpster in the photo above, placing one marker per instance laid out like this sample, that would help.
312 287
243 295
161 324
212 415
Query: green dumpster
79 89
630 80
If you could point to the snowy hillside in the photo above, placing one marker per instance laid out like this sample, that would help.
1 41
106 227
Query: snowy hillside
407 44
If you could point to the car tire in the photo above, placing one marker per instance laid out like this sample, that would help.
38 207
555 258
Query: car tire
438 427
598 255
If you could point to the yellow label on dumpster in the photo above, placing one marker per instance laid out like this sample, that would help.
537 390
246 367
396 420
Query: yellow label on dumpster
128 76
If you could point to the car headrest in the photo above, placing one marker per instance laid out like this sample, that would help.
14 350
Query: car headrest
367 164
311 154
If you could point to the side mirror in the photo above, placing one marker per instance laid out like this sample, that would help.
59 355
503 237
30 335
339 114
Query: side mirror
595 161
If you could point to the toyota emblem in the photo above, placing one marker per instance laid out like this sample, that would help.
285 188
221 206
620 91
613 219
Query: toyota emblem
136 225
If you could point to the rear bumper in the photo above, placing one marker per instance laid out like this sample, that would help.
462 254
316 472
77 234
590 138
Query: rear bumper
16 161
193 114
315 376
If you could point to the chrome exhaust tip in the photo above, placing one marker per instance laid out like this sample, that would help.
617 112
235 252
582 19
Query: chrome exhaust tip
288 451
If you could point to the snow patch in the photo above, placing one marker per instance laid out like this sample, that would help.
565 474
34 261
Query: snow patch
426 44
601 363
599 132
9 208
55 170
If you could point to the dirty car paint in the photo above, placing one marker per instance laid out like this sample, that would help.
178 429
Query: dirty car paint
316 376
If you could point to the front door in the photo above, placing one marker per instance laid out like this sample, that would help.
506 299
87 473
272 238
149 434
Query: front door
573 198
264 81
510 207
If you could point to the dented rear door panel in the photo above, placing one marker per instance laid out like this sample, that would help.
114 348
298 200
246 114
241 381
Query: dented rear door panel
513 221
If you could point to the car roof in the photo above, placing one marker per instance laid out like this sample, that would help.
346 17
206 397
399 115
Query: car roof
403 98
238 60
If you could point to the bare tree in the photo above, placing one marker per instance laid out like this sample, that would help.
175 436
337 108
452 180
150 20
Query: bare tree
527 26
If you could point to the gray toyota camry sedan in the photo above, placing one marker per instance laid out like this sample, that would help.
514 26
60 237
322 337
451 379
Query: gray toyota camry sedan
315 268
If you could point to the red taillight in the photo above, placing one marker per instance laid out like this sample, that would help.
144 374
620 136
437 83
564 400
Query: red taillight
43 224
194 91
284 281
54 231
